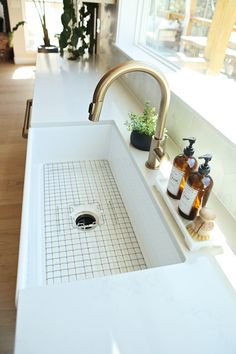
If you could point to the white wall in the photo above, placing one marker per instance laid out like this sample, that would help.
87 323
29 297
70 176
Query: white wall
16 14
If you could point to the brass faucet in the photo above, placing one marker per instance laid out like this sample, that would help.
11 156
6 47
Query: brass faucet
157 149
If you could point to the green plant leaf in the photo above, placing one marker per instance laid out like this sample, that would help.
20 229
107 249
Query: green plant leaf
86 14
11 33
64 37
78 31
74 39
74 32
81 51
82 11
67 4
144 123
21 23
65 18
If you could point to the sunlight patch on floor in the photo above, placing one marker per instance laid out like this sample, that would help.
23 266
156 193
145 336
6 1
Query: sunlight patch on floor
24 73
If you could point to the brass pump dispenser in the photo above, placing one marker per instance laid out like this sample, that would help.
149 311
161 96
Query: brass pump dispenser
197 190
183 165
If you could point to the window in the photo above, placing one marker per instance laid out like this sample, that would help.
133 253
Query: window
199 34
210 97
33 28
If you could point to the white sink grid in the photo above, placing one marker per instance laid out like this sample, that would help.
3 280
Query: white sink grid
75 254
91 164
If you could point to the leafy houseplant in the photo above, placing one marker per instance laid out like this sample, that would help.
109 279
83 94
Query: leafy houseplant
142 127
11 33
73 36
40 7
6 43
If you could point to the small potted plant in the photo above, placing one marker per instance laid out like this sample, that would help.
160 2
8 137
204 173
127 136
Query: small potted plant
142 127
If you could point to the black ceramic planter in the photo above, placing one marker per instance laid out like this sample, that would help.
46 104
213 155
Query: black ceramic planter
140 141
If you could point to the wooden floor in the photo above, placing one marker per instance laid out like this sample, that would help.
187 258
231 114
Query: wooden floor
13 95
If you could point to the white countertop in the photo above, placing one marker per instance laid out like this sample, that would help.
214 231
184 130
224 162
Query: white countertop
64 89
58 96
164 310
186 308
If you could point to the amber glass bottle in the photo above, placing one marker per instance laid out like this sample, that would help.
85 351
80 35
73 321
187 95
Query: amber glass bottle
197 190
183 165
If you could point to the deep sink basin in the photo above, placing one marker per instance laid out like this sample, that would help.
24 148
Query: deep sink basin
86 204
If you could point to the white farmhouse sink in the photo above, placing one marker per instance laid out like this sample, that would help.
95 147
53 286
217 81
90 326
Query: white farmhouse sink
72 169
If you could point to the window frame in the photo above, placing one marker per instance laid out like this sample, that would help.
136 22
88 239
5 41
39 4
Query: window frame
215 53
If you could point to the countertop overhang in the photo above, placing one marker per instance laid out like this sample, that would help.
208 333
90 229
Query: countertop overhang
185 308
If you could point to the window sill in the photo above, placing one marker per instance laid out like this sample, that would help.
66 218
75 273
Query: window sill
211 97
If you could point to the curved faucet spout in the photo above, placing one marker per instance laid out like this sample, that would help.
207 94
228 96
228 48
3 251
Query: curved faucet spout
157 147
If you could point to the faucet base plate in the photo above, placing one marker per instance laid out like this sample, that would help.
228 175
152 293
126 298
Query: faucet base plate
150 167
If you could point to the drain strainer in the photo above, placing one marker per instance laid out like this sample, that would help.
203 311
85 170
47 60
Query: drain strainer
86 216
86 222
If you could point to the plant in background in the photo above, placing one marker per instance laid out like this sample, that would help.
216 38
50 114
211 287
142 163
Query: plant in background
40 7
11 33
6 43
143 123
74 34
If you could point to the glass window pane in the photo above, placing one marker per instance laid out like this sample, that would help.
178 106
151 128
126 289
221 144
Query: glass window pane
205 8
179 31
177 6
230 57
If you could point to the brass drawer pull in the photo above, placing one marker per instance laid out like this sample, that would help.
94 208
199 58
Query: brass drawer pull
27 118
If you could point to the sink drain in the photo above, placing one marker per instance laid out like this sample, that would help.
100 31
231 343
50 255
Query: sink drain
86 216
86 222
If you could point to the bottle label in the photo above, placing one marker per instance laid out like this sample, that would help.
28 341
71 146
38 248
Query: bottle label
187 199
175 180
